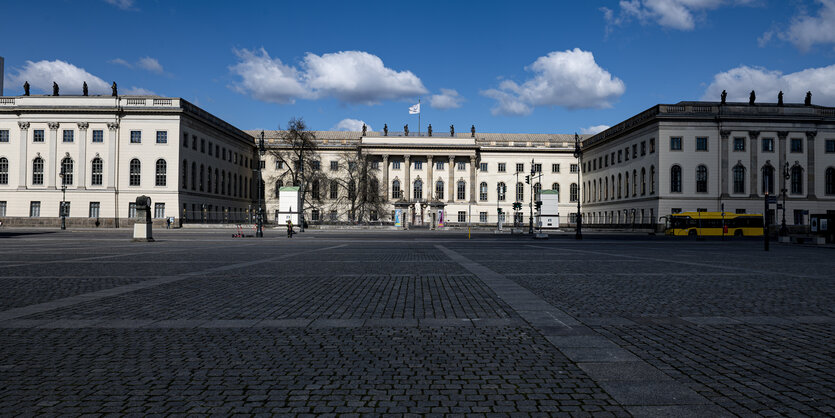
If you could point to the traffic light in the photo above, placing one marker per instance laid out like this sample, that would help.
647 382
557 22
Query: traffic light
499 210
538 204
527 179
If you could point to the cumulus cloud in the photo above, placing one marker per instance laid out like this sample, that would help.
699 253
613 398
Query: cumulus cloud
144 63
739 82
805 31
674 14
448 99
70 78
591 130
348 76
353 125
570 79
122 4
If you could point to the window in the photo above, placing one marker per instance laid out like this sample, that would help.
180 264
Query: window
162 138
395 190
573 192
798 216
537 168
675 145
482 192
768 179
739 144
634 150
375 165
67 171
739 178
520 168
217 151
418 165
314 215
334 165
95 209
520 192
829 181
482 167
132 209
634 182
37 135
69 135
797 145
675 180
644 147
462 216
4 170
573 168
829 146
462 190
643 181
652 179
502 167
395 165
439 190
556 188
98 135
768 144
135 137
439 165
316 165
279 165
314 189
4 135
210 144
162 168
482 217
202 176
64 208
462 165
418 189
606 161
333 216
159 210
536 189
701 179
651 145
135 172
701 143
626 150
34 209
501 191
797 179
555 168
185 140
203 148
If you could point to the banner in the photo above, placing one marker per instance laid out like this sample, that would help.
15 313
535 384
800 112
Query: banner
414 110
398 217
440 218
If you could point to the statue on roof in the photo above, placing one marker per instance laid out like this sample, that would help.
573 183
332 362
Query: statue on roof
26 88
452 131
752 98
54 88
115 91
780 98
472 131
84 89
406 129
364 129
429 129
808 100
724 96
385 129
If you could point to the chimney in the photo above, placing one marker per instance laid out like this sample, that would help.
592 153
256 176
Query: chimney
2 75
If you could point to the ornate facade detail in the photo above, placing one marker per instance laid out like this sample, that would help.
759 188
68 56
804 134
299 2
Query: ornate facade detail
53 125
23 125
724 134
782 135
753 134
83 125
810 135
112 126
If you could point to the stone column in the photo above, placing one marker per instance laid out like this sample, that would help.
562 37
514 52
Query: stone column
472 179
781 158
810 164
407 184
723 166
451 179
53 154
753 136
111 155
429 181
82 155
386 184
23 162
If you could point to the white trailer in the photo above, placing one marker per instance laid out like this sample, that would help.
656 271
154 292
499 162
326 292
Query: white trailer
549 213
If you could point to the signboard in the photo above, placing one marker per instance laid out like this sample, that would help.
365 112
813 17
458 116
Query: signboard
440 218
398 217
771 200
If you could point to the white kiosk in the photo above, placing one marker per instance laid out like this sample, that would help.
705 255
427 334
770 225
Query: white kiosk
549 214
288 206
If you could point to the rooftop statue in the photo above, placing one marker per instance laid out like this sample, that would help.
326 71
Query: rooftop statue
54 88
84 88
406 129
26 88
385 129
364 129
752 97
429 130
780 98
808 100
724 96
452 131
115 91
472 131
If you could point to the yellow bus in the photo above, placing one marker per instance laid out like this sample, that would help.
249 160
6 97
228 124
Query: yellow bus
715 224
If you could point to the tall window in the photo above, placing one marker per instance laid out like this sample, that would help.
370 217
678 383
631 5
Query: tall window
418 189
462 190
95 209
352 190
626 184
96 169
797 145
278 185
162 169
643 181
768 180
797 179
675 145
675 180
573 192
159 210
501 191
556 187
829 181
209 178
701 179
35 209
652 179
185 174
66 169
4 135
620 184
634 182
482 192
768 144
4 171
314 189
520 192
395 190
194 176
701 143
739 178
739 144
135 172
217 181
520 167
439 189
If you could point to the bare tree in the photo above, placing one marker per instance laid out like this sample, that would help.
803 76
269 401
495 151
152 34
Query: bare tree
360 185
295 152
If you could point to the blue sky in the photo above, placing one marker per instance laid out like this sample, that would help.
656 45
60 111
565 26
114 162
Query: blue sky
540 67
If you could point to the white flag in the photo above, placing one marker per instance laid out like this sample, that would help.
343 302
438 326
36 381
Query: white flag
414 110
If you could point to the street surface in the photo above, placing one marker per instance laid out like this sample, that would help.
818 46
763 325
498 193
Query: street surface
412 322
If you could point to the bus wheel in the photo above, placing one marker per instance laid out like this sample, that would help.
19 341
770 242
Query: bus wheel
738 233
692 233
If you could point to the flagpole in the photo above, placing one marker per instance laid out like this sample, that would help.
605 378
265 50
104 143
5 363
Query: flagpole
418 116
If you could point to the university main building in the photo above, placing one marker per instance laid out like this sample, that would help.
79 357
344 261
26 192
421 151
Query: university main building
98 153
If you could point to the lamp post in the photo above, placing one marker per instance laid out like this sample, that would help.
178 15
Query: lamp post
259 216
63 199
498 209
578 154
786 176
530 204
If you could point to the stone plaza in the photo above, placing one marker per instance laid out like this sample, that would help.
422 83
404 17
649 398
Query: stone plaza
412 322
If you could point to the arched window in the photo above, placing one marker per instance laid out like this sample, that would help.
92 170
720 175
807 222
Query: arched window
556 187
96 169
202 176
652 179
352 190
739 178
135 172
634 182
462 190
612 187
334 192
66 169
606 189
314 189
217 182
417 189
701 179
620 185
626 184
768 180
162 169
520 192
185 174
373 189
37 170
593 191
501 191
4 170
439 189
395 190
797 179
209 179
193 176
235 184
482 191
223 182
675 179
278 185
574 192
536 189
643 181
829 181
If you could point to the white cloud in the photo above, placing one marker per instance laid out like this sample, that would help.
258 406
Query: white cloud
591 130
570 79
122 4
70 78
739 82
348 76
674 14
353 125
119 61
448 99
805 31
138 91
150 64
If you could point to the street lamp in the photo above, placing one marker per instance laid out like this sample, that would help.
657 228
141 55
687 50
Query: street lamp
63 198
578 154
786 176
259 217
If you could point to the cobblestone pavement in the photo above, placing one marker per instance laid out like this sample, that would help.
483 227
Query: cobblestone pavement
412 322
